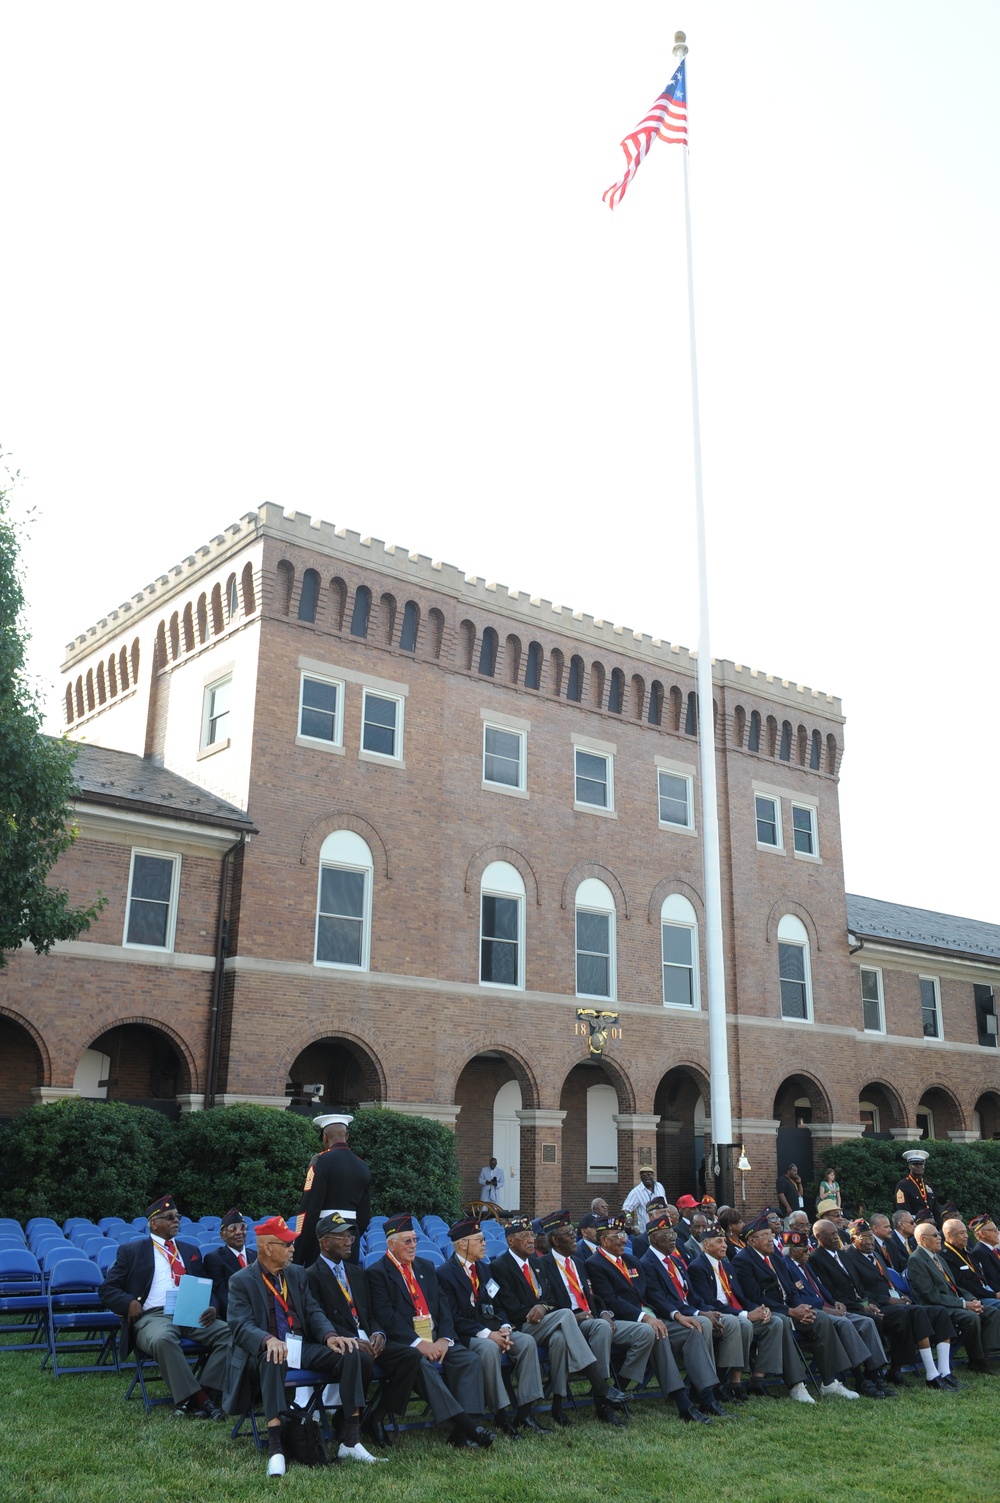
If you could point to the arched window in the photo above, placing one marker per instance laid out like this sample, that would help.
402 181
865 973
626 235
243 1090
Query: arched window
739 725
616 698
575 689
794 970
533 667
112 676
772 736
638 696
175 637
595 940
501 928
69 704
217 621
338 602
679 941
691 718
436 619
286 579
79 694
815 750
187 627
597 685
343 910
411 624
655 702
387 619
512 660
785 755
488 653
676 704
467 634
831 754
802 744
753 740
558 669
90 688
133 675
309 598
232 599
203 616
361 612
249 595
124 678
102 693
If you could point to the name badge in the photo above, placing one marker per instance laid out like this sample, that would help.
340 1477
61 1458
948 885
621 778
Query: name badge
492 1288
294 1345
170 1299
424 1327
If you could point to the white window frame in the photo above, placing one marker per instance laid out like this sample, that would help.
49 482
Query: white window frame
674 916
167 947
337 742
351 858
207 717
935 982
869 1106
799 806
502 880
595 897
794 940
876 971
664 770
520 787
607 756
396 756
778 844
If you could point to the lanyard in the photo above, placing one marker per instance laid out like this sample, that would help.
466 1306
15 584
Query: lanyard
281 1298
174 1261
413 1288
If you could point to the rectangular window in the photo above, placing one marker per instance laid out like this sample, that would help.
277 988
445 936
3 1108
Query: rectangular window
321 709
792 973
499 961
215 720
678 966
503 757
675 800
593 954
151 915
594 784
340 923
871 1000
768 812
382 725
804 829
930 1007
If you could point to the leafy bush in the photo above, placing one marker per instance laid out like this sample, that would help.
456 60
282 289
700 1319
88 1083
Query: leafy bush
868 1170
413 1161
253 1157
81 1158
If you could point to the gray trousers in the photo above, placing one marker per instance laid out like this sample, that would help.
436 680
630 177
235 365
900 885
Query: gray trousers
159 1338
692 1349
454 1386
825 1346
527 1370
861 1340
352 1370
571 1349
776 1350
731 1345
632 1342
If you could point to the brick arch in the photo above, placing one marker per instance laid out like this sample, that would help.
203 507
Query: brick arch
898 1098
36 1039
139 1020
334 1033
664 888
498 1044
619 1078
696 1072
962 1117
487 853
784 1070
582 869
341 819
790 905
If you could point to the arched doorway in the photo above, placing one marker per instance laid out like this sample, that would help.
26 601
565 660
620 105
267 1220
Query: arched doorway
682 1132
798 1102
986 1117
938 1114
332 1075
879 1110
490 1091
507 1141
591 1099
144 1067
21 1068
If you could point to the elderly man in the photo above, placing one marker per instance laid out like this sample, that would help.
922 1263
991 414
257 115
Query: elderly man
638 1198
985 1252
222 1264
932 1284
550 1299
902 1241
142 1286
716 1290
955 1254
340 1287
410 1308
277 1324
336 1180
907 1327
913 1193
482 1324
620 1286
881 1231
855 1321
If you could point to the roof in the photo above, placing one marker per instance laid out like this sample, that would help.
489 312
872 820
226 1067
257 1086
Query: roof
131 782
922 928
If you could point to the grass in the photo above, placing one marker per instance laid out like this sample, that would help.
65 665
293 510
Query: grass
73 1440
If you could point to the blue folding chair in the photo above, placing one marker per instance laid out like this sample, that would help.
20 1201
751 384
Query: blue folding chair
76 1321
107 1222
106 1255
22 1298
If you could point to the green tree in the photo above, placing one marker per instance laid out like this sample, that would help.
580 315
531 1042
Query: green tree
253 1157
36 780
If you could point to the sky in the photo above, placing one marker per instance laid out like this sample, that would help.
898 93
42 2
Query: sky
355 260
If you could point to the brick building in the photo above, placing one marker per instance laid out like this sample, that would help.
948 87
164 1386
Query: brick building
476 814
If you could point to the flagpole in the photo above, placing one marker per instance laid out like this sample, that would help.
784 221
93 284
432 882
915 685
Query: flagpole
718 1047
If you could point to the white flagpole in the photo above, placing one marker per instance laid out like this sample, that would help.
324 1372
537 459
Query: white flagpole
718 1047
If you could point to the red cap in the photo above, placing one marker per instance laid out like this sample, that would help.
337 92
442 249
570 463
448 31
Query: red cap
687 1203
276 1226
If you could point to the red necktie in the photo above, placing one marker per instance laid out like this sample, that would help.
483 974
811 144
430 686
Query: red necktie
577 1288
242 1258
526 1270
176 1266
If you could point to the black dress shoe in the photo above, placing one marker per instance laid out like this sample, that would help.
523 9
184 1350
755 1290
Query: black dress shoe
208 1409
607 1413
885 1391
483 1438
376 1431
951 1383
508 1426
694 1417
613 1396
896 1377
714 1409
530 1423
737 1394
760 1390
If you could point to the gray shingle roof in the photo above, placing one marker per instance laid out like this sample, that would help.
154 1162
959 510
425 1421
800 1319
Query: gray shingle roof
921 928
127 781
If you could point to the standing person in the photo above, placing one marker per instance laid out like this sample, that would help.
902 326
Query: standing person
270 1302
491 1182
913 1193
790 1193
828 1189
225 1261
638 1198
338 1182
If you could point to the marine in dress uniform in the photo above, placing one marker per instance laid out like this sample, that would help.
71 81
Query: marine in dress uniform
337 1181
913 1193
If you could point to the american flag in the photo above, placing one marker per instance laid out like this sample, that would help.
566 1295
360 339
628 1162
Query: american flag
666 120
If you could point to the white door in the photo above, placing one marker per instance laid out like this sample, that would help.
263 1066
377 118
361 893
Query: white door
507 1143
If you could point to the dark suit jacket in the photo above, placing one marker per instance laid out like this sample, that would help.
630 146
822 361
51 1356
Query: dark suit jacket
220 1267
968 1280
661 1294
515 1291
623 1297
898 1252
327 1292
761 1284
393 1307
839 1282
554 1291
131 1277
704 1292
486 1314
874 1286
803 1289
250 1304
987 1260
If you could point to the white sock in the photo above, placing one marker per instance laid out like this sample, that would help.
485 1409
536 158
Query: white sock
924 1353
943 1354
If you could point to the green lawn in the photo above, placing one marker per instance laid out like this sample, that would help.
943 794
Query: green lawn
73 1440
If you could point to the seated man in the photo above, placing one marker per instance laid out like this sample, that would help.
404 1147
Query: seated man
902 1242
482 1324
692 1247
932 1284
964 1271
550 1300
855 1321
715 1289
410 1308
985 1252
340 1288
640 1241
277 1324
586 1244
881 1229
225 1261
907 1327
141 1286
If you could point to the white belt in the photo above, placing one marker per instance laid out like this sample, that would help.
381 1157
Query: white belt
333 1211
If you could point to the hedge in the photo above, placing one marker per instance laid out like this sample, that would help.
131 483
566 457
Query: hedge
251 1157
414 1162
868 1170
